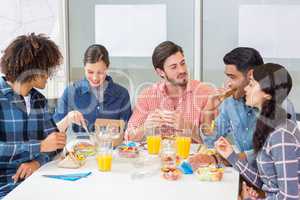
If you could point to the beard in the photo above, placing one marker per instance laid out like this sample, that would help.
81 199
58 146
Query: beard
174 82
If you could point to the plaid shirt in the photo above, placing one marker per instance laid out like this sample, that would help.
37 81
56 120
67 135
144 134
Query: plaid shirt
278 164
189 105
20 133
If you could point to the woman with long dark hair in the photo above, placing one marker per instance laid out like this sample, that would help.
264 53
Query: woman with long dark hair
276 139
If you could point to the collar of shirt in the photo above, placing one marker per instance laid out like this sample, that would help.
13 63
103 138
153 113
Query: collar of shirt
110 90
4 87
99 91
8 92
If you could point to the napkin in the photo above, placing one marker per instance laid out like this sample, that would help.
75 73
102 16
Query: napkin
69 177
185 167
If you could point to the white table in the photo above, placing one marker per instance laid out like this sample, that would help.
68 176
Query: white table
118 184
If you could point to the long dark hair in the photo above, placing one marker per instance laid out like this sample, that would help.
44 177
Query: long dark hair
276 81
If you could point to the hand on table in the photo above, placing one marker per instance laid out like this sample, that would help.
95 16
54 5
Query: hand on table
25 170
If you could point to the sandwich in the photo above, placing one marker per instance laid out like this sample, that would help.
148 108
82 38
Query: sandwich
227 94
71 160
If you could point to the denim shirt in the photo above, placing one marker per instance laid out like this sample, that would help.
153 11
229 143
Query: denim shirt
79 96
237 121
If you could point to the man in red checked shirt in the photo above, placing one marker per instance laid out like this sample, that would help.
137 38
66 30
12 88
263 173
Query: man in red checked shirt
175 101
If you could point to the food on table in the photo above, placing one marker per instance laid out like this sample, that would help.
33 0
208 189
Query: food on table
168 154
203 158
71 160
128 151
210 173
167 132
171 174
168 161
85 148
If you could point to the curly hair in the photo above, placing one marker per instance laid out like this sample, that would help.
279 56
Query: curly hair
29 56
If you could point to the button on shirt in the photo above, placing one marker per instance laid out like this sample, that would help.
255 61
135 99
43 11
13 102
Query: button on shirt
79 96
21 133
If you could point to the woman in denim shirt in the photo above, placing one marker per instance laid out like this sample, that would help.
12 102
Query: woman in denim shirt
95 96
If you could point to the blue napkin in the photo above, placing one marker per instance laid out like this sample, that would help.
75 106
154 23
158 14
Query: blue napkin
69 177
185 167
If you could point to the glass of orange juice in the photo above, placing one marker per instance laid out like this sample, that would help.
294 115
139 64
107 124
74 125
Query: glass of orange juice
153 140
183 143
104 154
104 161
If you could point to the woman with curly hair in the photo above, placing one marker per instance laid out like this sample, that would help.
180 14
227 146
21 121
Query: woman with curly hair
28 136
276 139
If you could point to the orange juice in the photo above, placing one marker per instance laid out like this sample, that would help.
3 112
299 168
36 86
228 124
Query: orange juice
153 143
104 162
183 145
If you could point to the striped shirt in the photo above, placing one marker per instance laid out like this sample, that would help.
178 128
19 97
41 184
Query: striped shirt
190 104
21 133
278 164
